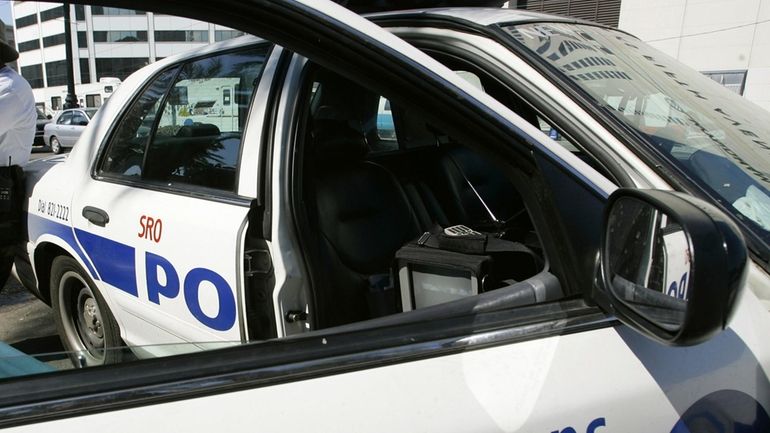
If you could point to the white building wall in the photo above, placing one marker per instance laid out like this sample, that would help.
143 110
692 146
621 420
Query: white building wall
709 36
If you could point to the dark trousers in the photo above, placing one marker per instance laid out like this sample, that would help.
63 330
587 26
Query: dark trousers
12 194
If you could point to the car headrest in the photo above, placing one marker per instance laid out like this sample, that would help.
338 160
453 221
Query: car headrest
336 142
198 130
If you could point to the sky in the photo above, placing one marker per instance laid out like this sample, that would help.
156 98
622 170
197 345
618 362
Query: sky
5 11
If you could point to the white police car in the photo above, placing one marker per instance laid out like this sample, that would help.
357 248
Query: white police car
462 273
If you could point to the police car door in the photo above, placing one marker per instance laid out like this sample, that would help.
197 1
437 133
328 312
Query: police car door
162 218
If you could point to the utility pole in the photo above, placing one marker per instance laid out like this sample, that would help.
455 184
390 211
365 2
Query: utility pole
71 100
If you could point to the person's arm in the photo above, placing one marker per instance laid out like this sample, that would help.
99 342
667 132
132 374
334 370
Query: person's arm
9 108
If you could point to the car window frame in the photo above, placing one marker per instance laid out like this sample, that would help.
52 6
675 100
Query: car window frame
65 115
79 113
182 189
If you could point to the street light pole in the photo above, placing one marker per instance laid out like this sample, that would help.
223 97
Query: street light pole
71 100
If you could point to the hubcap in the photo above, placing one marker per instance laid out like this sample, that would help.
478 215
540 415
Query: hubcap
90 328
82 319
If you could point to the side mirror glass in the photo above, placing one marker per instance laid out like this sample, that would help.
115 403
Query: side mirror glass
649 262
672 265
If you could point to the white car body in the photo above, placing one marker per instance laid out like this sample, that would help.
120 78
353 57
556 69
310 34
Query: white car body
584 373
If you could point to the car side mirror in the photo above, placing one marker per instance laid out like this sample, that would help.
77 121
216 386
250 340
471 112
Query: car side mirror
83 123
672 265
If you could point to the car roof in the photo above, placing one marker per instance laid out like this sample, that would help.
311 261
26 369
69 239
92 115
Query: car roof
477 16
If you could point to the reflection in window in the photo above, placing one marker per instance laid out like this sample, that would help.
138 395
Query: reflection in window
126 150
198 136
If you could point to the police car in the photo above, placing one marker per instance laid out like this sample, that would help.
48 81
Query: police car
458 271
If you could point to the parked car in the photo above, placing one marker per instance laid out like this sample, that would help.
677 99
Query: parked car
42 120
65 130
466 273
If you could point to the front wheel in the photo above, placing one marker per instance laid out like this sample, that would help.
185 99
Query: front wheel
55 145
85 323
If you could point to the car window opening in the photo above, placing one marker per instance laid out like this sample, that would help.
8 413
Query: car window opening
400 215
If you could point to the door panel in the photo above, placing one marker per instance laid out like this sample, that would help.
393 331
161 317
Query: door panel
166 261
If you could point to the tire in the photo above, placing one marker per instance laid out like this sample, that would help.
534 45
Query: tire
55 145
86 326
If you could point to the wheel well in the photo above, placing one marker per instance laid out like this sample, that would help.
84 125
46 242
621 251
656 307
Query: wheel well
44 256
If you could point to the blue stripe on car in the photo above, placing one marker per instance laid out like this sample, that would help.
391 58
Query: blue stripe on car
115 262
38 226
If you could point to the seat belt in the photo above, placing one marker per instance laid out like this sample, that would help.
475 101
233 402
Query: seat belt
475 192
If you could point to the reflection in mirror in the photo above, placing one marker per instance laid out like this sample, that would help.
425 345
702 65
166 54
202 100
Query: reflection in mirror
649 261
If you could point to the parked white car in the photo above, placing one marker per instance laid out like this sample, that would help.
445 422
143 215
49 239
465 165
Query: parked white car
63 132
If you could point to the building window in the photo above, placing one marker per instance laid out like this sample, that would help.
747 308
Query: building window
119 67
101 10
223 35
120 36
181 36
34 75
50 41
605 12
735 81
80 13
52 14
56 103
29 45
56 72
82 40
26 21
93 101
85 72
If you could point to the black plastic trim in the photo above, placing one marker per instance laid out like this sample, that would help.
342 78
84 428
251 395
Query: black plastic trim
186 190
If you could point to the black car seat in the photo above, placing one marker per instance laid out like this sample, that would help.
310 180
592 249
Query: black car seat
362 217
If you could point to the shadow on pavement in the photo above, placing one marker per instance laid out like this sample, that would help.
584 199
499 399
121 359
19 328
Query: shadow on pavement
47 344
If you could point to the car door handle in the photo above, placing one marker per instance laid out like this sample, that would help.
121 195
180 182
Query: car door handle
96 216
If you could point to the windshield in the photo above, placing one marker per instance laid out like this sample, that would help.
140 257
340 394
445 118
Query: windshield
715 137
91 112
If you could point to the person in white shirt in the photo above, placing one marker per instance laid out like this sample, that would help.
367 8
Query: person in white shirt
17 132
18 115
